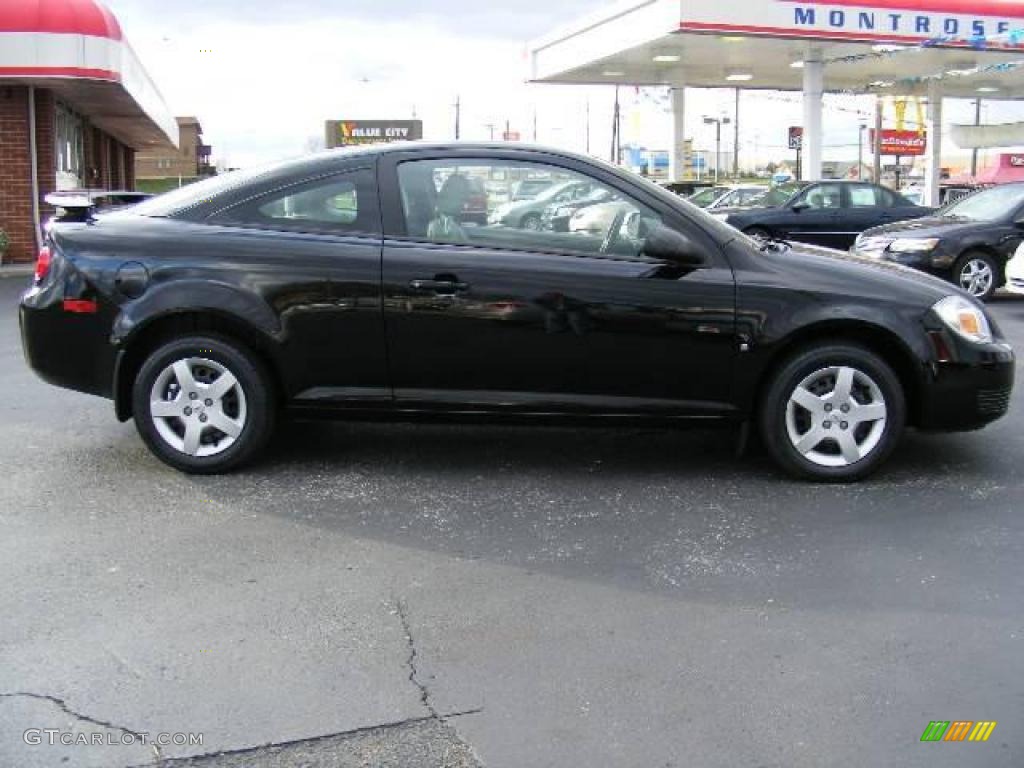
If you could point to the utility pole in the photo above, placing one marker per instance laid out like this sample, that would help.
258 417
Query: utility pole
974 152
588 124
535 124
490 127
736 140
878 143
458 116
860 151
616 126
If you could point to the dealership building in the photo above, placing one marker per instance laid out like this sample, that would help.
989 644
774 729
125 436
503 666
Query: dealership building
76 105
931 49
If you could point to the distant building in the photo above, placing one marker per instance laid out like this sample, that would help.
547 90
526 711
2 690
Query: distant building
831 169
157 169
75 106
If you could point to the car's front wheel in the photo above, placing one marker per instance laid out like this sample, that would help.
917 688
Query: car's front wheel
532 222
833 412
977 273
203 404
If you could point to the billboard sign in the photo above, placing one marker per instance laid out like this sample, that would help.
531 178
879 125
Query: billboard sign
910 21
904 143
349 133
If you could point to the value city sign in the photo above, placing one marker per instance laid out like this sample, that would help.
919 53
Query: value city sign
347 133
871 20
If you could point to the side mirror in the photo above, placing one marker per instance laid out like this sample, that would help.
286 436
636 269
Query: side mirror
669 245
803 205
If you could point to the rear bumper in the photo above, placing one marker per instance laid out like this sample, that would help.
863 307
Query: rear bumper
968 395
65 348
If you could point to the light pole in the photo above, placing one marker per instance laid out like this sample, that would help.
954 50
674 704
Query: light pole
718 122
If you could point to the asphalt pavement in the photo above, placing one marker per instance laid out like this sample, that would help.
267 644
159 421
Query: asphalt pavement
424 596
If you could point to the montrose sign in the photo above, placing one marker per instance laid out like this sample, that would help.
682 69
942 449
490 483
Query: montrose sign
893 20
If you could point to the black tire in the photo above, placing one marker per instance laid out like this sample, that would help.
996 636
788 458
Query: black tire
814 361
969 258
255 408
532 222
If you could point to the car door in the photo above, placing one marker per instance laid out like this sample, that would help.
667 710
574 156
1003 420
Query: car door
496 317
816 216
869 205
312 249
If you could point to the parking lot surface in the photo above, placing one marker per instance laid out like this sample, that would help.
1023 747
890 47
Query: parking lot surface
502 596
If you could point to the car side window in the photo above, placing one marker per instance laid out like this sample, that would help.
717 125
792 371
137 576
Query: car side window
480 203
345 203
824 196
868 196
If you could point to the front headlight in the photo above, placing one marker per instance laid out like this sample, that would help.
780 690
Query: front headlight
721 216
964 318
914 245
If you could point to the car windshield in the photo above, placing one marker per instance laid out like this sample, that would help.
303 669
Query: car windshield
707 196
988 205
777 196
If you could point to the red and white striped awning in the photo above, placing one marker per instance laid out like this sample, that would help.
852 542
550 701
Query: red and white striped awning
77 48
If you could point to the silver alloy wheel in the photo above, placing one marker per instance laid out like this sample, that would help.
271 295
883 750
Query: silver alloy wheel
836 416
532 223
198 407
976 277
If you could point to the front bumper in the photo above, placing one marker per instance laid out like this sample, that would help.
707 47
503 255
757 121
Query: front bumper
1015 275
968 391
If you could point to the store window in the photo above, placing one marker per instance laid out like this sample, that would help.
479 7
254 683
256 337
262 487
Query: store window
69 148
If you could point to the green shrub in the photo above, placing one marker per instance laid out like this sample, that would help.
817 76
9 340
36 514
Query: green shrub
4 241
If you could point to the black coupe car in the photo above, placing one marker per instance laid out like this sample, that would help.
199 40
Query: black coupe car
968 242
345 284
827 213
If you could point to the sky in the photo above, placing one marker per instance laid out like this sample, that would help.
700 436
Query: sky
262 77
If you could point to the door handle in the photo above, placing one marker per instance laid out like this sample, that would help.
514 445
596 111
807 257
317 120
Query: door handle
445 287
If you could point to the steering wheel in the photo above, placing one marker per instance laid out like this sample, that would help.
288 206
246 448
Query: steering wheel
611 238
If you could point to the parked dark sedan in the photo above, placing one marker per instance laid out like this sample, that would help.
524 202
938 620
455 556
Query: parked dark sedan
828 213
344 284
968 242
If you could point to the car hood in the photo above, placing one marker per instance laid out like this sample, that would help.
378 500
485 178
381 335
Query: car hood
862 275
929 226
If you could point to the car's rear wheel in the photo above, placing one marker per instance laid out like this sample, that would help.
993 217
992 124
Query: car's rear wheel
833 412
977 273
760 234
203 404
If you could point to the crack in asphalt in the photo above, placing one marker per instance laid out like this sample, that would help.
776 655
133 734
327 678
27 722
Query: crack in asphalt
410 662
63 706
170 762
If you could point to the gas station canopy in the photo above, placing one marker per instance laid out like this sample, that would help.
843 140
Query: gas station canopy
763 44
931 48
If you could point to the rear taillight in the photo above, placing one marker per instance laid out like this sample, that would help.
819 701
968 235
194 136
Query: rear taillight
42 264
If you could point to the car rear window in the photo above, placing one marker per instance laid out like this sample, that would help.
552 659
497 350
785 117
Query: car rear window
190 195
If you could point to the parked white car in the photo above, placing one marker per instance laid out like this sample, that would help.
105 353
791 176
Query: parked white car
1015 272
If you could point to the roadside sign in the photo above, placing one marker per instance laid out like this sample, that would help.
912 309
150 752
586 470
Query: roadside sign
902 143
796 137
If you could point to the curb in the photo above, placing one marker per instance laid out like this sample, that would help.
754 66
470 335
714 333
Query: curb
17 270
